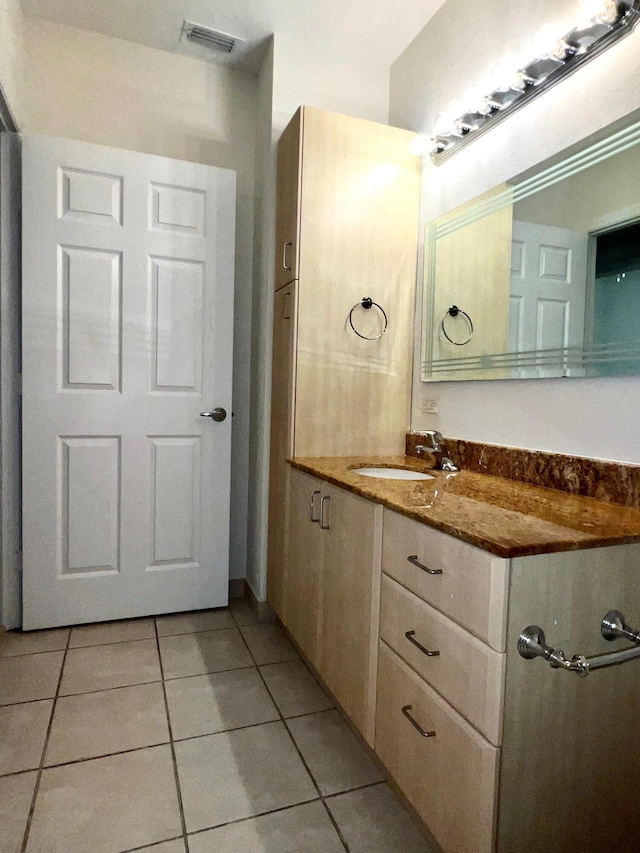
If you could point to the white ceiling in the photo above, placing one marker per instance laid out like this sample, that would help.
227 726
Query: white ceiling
374 31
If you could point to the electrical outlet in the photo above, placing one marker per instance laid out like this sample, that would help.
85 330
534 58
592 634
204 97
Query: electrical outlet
430 407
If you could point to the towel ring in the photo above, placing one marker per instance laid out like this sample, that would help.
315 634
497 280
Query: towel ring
367 303
453 312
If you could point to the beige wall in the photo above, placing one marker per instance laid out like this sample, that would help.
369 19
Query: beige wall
95 88
11 55
596 417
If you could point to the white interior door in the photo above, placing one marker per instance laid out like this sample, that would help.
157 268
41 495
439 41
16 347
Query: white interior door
127 337
548 290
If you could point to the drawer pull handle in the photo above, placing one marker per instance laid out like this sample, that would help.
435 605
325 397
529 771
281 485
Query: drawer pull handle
415 724
324 525
426 569
285 265
410 635
312 502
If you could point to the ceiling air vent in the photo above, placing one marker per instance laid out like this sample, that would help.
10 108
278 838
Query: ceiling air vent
211 39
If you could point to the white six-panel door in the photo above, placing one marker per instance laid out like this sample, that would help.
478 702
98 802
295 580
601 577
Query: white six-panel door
127 337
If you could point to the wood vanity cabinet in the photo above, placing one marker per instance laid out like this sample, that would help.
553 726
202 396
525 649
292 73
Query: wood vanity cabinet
332 588
524 757
346 229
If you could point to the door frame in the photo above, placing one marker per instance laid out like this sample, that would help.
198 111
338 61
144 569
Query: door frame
10 328
604 226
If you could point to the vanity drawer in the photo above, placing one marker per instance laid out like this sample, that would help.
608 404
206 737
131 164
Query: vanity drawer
467 672
450 779
468 584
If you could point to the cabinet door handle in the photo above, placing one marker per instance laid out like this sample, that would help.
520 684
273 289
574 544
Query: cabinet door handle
415 724
410 635
426 569
286 306
285 266
322 518
312 506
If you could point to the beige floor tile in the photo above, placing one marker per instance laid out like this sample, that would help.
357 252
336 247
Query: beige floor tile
294 689
372 820
23 729
242 613
196 654
106 805
16 793
29 677
188 623
115 665
239 774
268 644
332 752
301 829
112 632
217 702
94 724
31 642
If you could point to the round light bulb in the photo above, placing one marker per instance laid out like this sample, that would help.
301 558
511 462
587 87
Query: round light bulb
420 144
519 81
443 124
602 11
545 41
502 76
471 99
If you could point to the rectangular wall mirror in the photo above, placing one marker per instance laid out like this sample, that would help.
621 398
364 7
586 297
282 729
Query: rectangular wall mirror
540 277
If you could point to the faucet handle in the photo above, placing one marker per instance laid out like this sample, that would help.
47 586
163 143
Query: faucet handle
435 439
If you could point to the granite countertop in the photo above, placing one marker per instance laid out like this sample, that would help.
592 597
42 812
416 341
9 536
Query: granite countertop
505 517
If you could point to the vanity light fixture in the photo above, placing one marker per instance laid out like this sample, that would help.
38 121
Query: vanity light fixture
604 22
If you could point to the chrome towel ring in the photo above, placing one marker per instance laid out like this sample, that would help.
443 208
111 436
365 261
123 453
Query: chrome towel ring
367 303
453 311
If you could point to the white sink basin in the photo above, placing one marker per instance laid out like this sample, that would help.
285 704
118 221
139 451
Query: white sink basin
393 473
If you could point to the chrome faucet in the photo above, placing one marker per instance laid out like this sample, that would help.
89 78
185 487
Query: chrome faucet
436 450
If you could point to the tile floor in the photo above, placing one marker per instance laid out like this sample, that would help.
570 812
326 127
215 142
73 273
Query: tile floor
197 733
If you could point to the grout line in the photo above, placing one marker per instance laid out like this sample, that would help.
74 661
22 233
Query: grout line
297 749
106 755
18 772
172 745
199 631
125 686
357 788
154 844
210 672
27 830
30 654
252 817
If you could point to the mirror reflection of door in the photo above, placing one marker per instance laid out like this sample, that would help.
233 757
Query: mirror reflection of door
547 298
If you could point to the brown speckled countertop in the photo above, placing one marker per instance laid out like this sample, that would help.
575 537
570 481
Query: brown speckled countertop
508 518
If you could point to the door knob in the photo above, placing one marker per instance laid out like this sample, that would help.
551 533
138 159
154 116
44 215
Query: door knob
215 415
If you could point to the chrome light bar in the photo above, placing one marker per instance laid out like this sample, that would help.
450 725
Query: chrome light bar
577 47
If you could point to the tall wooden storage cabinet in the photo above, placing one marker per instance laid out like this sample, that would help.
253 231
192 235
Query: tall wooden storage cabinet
346 229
